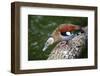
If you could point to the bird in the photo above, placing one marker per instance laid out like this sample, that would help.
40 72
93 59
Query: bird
64 32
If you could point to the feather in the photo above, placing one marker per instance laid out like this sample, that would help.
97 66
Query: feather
68 28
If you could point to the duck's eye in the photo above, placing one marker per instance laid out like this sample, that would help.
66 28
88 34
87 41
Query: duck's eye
65 33
68 33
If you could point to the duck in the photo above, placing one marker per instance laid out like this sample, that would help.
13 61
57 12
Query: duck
64 32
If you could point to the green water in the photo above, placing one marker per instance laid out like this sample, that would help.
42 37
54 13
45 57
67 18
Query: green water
39 29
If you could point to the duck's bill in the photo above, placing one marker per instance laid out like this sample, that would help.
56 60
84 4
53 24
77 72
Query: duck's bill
50 41
45 47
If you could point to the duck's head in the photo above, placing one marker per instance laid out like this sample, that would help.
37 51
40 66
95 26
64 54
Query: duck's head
62 32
